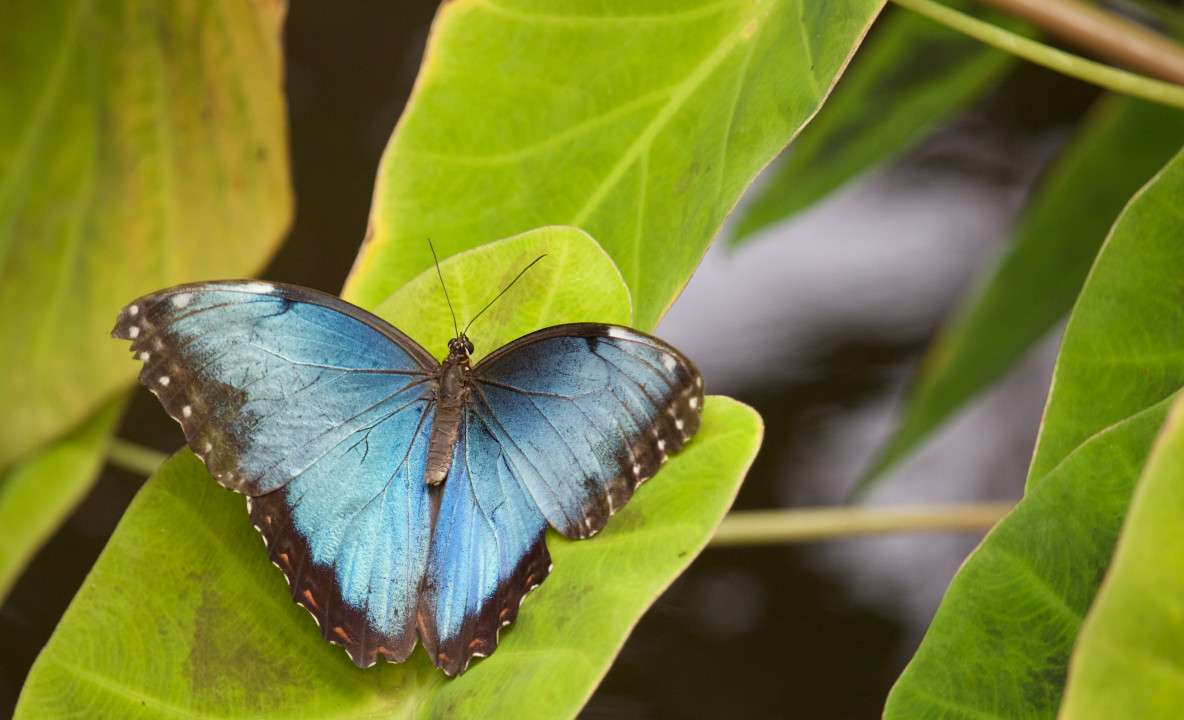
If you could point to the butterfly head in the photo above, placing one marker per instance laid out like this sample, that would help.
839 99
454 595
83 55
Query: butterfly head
460 349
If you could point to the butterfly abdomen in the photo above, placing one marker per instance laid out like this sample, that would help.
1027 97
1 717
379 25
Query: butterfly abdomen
451 394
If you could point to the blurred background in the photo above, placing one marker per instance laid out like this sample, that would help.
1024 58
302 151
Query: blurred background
817 322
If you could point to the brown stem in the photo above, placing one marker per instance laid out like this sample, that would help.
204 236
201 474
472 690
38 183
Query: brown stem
1104 33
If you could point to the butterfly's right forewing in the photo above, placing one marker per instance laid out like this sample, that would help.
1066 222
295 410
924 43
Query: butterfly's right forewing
584 414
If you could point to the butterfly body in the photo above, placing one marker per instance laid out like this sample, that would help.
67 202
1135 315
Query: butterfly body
451 394
407 499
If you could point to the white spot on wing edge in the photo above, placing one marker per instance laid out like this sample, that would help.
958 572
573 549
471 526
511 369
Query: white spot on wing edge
258 287
186 411
133 332
133 310
144 356
694 403
182 301
669 363
164 380
618 333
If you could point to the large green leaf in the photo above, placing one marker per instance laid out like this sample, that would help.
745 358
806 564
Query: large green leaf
639 122
1129 660
575 282
141 144
1121 144
38 492
1123 349
1000 643
910 76
183 613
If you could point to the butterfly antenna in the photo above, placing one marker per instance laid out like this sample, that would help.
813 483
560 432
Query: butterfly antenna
503 292
446 298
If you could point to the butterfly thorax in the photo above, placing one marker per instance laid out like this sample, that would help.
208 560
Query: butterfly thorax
451 391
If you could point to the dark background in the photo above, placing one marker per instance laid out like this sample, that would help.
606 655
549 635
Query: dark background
755 632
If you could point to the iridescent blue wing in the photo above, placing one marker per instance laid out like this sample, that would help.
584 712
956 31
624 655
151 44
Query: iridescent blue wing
320 412
487 552
560 428
352 536
585 413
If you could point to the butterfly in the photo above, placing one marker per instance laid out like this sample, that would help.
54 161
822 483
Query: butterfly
404 497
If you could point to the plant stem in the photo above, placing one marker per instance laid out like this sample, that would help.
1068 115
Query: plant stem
760 527
1089 71
1111 36
134 458
764 527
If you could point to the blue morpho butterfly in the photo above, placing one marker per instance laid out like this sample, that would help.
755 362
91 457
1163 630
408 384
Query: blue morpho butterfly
401 495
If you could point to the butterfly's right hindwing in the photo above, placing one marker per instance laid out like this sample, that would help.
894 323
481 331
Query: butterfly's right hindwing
487 553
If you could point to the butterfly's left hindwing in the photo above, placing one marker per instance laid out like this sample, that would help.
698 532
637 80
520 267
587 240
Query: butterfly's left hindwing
321 413
352 536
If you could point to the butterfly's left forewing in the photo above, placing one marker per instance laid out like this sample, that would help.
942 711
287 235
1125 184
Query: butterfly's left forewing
261 376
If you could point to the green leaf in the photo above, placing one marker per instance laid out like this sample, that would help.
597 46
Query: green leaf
37 493
1123 349
1129 660
141 144
999 645
184 615
910 76
575 282
639 122
1120 145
